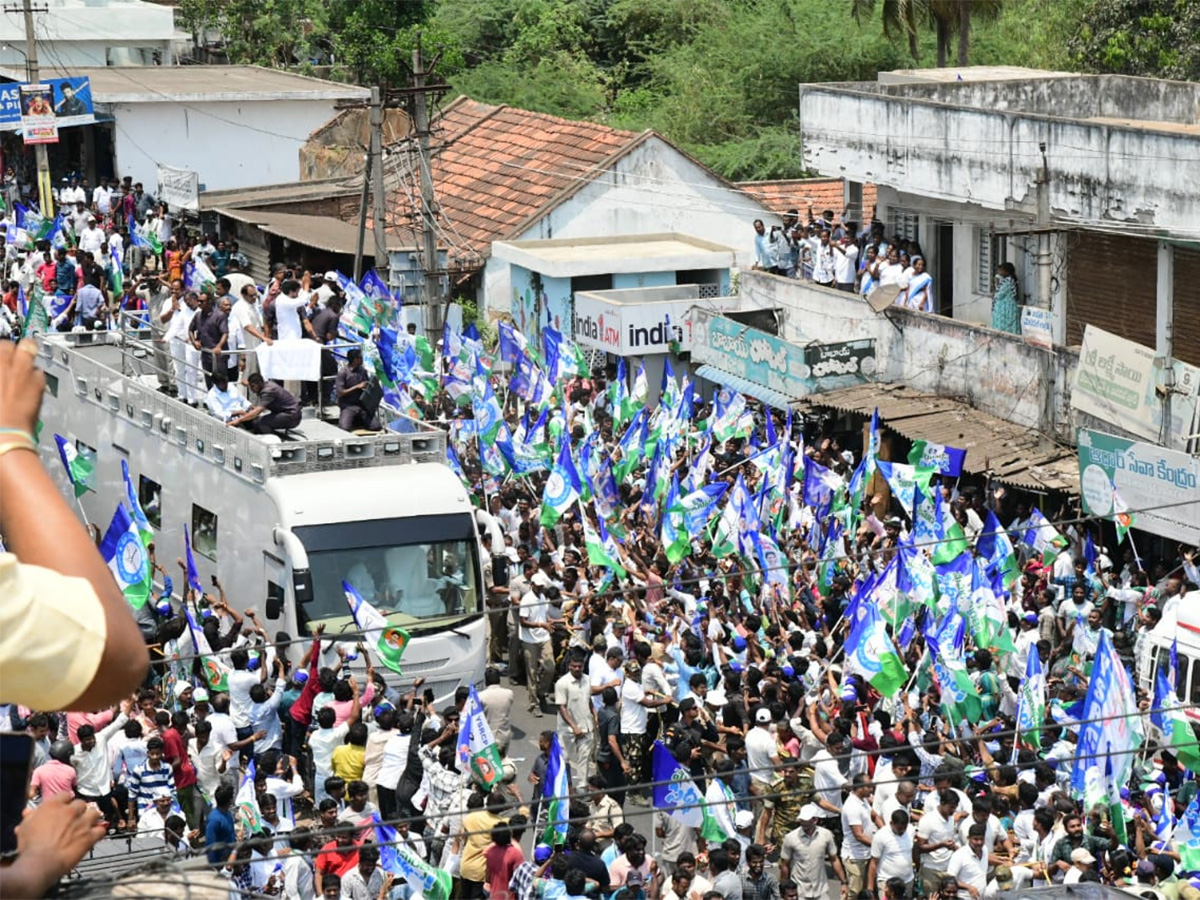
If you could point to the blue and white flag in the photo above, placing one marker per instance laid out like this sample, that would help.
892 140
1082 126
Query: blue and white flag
1112 729
675 793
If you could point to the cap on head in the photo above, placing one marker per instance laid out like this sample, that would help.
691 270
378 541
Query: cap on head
763 716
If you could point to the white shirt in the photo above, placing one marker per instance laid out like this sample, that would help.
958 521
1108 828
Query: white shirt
845 264
633 714
177 328
93 769
933 829
242 315
601 675
995 832
827 778
283 792
969 869
102 197
395 760
240 683
323 742
287 316
224 732
534 609
760 747
856 811
90 240
206 762
893 854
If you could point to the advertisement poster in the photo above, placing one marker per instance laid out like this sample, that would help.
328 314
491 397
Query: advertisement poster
38 121
1160 487
67 100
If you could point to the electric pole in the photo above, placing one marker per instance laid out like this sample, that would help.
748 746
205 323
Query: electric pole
429 253
45 192
382 261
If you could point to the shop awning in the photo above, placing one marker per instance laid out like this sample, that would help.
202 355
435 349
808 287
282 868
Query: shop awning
745 386
1010 453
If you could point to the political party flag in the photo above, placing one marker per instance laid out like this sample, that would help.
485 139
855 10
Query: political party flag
398 858
512 343
216 673
1111 729
636 398
871 652
488 417
1122 517
81 467
452 461
986 612
1043 538
720 808
675 793
997 550
943 459
1031 703
902 479
820 483
1177 732
478 752
127 559
193 576
562 487
556 791
389 641
600 549
951 540
135 507
675 542
247 802
698 505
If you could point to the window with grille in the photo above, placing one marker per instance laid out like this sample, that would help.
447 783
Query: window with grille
990 251
905 225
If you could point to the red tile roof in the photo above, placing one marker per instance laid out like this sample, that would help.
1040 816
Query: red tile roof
495 168
800 193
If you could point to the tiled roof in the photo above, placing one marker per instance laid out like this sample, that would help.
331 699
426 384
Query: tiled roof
495 168
800 193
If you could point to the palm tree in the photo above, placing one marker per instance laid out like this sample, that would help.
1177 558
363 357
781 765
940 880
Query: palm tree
947 17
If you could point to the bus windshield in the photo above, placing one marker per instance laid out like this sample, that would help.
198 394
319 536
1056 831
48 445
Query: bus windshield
423 569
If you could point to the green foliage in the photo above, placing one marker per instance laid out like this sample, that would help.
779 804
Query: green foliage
373 40
1154 38
770 153
275 33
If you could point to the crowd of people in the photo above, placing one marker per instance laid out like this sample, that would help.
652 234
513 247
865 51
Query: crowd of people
766 655
832 251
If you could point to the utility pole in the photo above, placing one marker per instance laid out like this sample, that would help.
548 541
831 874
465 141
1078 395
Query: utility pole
375 170
429 253
45 192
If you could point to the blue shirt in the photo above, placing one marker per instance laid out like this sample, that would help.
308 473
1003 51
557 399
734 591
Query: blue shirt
219 832
88 302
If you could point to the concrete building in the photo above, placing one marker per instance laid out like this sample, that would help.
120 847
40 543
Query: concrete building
1089 185
505 174
76 34
236 126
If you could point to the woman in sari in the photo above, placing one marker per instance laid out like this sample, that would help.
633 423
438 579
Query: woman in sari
920 287
1006 315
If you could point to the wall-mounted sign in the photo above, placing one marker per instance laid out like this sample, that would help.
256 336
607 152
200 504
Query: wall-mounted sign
55 102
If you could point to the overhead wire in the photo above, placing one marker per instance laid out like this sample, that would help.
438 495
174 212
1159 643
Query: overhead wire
616 593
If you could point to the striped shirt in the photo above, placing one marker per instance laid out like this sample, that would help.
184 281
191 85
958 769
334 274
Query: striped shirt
144 780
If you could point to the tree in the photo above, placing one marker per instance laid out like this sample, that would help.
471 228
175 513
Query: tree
274 33
1152 38
373 39
905 18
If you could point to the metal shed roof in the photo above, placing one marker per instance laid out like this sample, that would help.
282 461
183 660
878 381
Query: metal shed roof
1011 453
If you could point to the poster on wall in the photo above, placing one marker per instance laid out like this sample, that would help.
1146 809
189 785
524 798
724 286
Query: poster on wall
1036 327
67 100
38 121
1154 482
1122 383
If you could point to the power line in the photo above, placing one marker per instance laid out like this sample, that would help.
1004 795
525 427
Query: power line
618 592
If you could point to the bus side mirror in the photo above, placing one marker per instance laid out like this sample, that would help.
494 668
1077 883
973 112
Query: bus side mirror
302 585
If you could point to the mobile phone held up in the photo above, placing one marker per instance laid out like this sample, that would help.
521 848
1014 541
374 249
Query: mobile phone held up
16 766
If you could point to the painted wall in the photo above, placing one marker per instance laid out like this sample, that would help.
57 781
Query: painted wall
231 144
1098 172
994 372
652 189
539 300
642 279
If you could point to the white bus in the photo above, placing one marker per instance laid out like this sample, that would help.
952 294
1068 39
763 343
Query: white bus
1179 626
281 524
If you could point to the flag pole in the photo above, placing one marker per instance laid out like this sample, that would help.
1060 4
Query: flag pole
79 503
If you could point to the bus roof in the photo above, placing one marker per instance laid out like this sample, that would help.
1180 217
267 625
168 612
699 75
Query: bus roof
356 495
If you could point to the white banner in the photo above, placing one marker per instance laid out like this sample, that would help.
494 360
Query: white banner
636 329
179 188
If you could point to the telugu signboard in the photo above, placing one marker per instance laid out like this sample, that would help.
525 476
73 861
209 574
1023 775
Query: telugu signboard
1118 382
765 359
1160 486
68 101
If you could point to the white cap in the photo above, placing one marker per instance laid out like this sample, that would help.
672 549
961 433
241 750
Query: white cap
331 276
716 697
810 811
763 716
743 819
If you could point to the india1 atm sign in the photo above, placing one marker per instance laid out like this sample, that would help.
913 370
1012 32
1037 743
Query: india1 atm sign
1160 487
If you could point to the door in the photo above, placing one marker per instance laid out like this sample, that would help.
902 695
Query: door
943 267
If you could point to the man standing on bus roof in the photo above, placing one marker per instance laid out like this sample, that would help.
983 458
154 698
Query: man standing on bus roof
276 409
